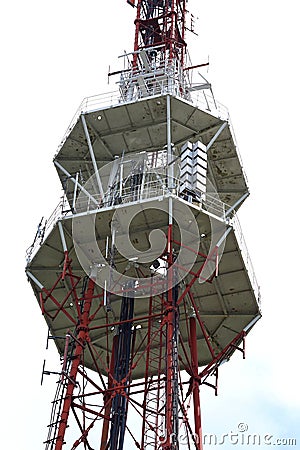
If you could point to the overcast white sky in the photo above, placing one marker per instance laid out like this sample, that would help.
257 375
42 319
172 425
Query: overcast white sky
53 54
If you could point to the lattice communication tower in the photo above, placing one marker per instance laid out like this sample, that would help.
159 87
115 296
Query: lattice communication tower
142 273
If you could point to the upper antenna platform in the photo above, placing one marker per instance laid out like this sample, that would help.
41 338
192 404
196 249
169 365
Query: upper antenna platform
159 63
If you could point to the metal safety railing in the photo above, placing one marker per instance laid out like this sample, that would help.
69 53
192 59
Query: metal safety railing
162 86
246 256
149 189
153 188
60 211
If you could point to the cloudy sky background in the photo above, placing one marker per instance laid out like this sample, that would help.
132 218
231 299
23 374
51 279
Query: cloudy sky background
56 53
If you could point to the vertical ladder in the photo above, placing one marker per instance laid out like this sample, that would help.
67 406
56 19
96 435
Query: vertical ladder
57 403
154 398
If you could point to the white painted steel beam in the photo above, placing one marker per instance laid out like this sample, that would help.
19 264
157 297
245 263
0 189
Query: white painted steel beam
34 279
62 237
222 127
169 145
75 191
78 184
253 322
237 203
223 237
96 170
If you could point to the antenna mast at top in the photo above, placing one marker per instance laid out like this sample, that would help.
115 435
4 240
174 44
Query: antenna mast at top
159 28
159 55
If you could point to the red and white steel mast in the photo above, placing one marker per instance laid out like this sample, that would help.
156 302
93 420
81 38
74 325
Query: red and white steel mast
142 274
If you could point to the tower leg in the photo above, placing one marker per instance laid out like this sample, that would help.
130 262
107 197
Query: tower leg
171 320
196 390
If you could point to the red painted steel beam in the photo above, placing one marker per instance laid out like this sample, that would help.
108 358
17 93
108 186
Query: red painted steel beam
82 338
206 337
217 360
194 279
108 400
196 390
162 25
170 318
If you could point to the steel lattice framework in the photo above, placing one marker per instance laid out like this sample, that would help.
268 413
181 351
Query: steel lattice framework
137 345
160 29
